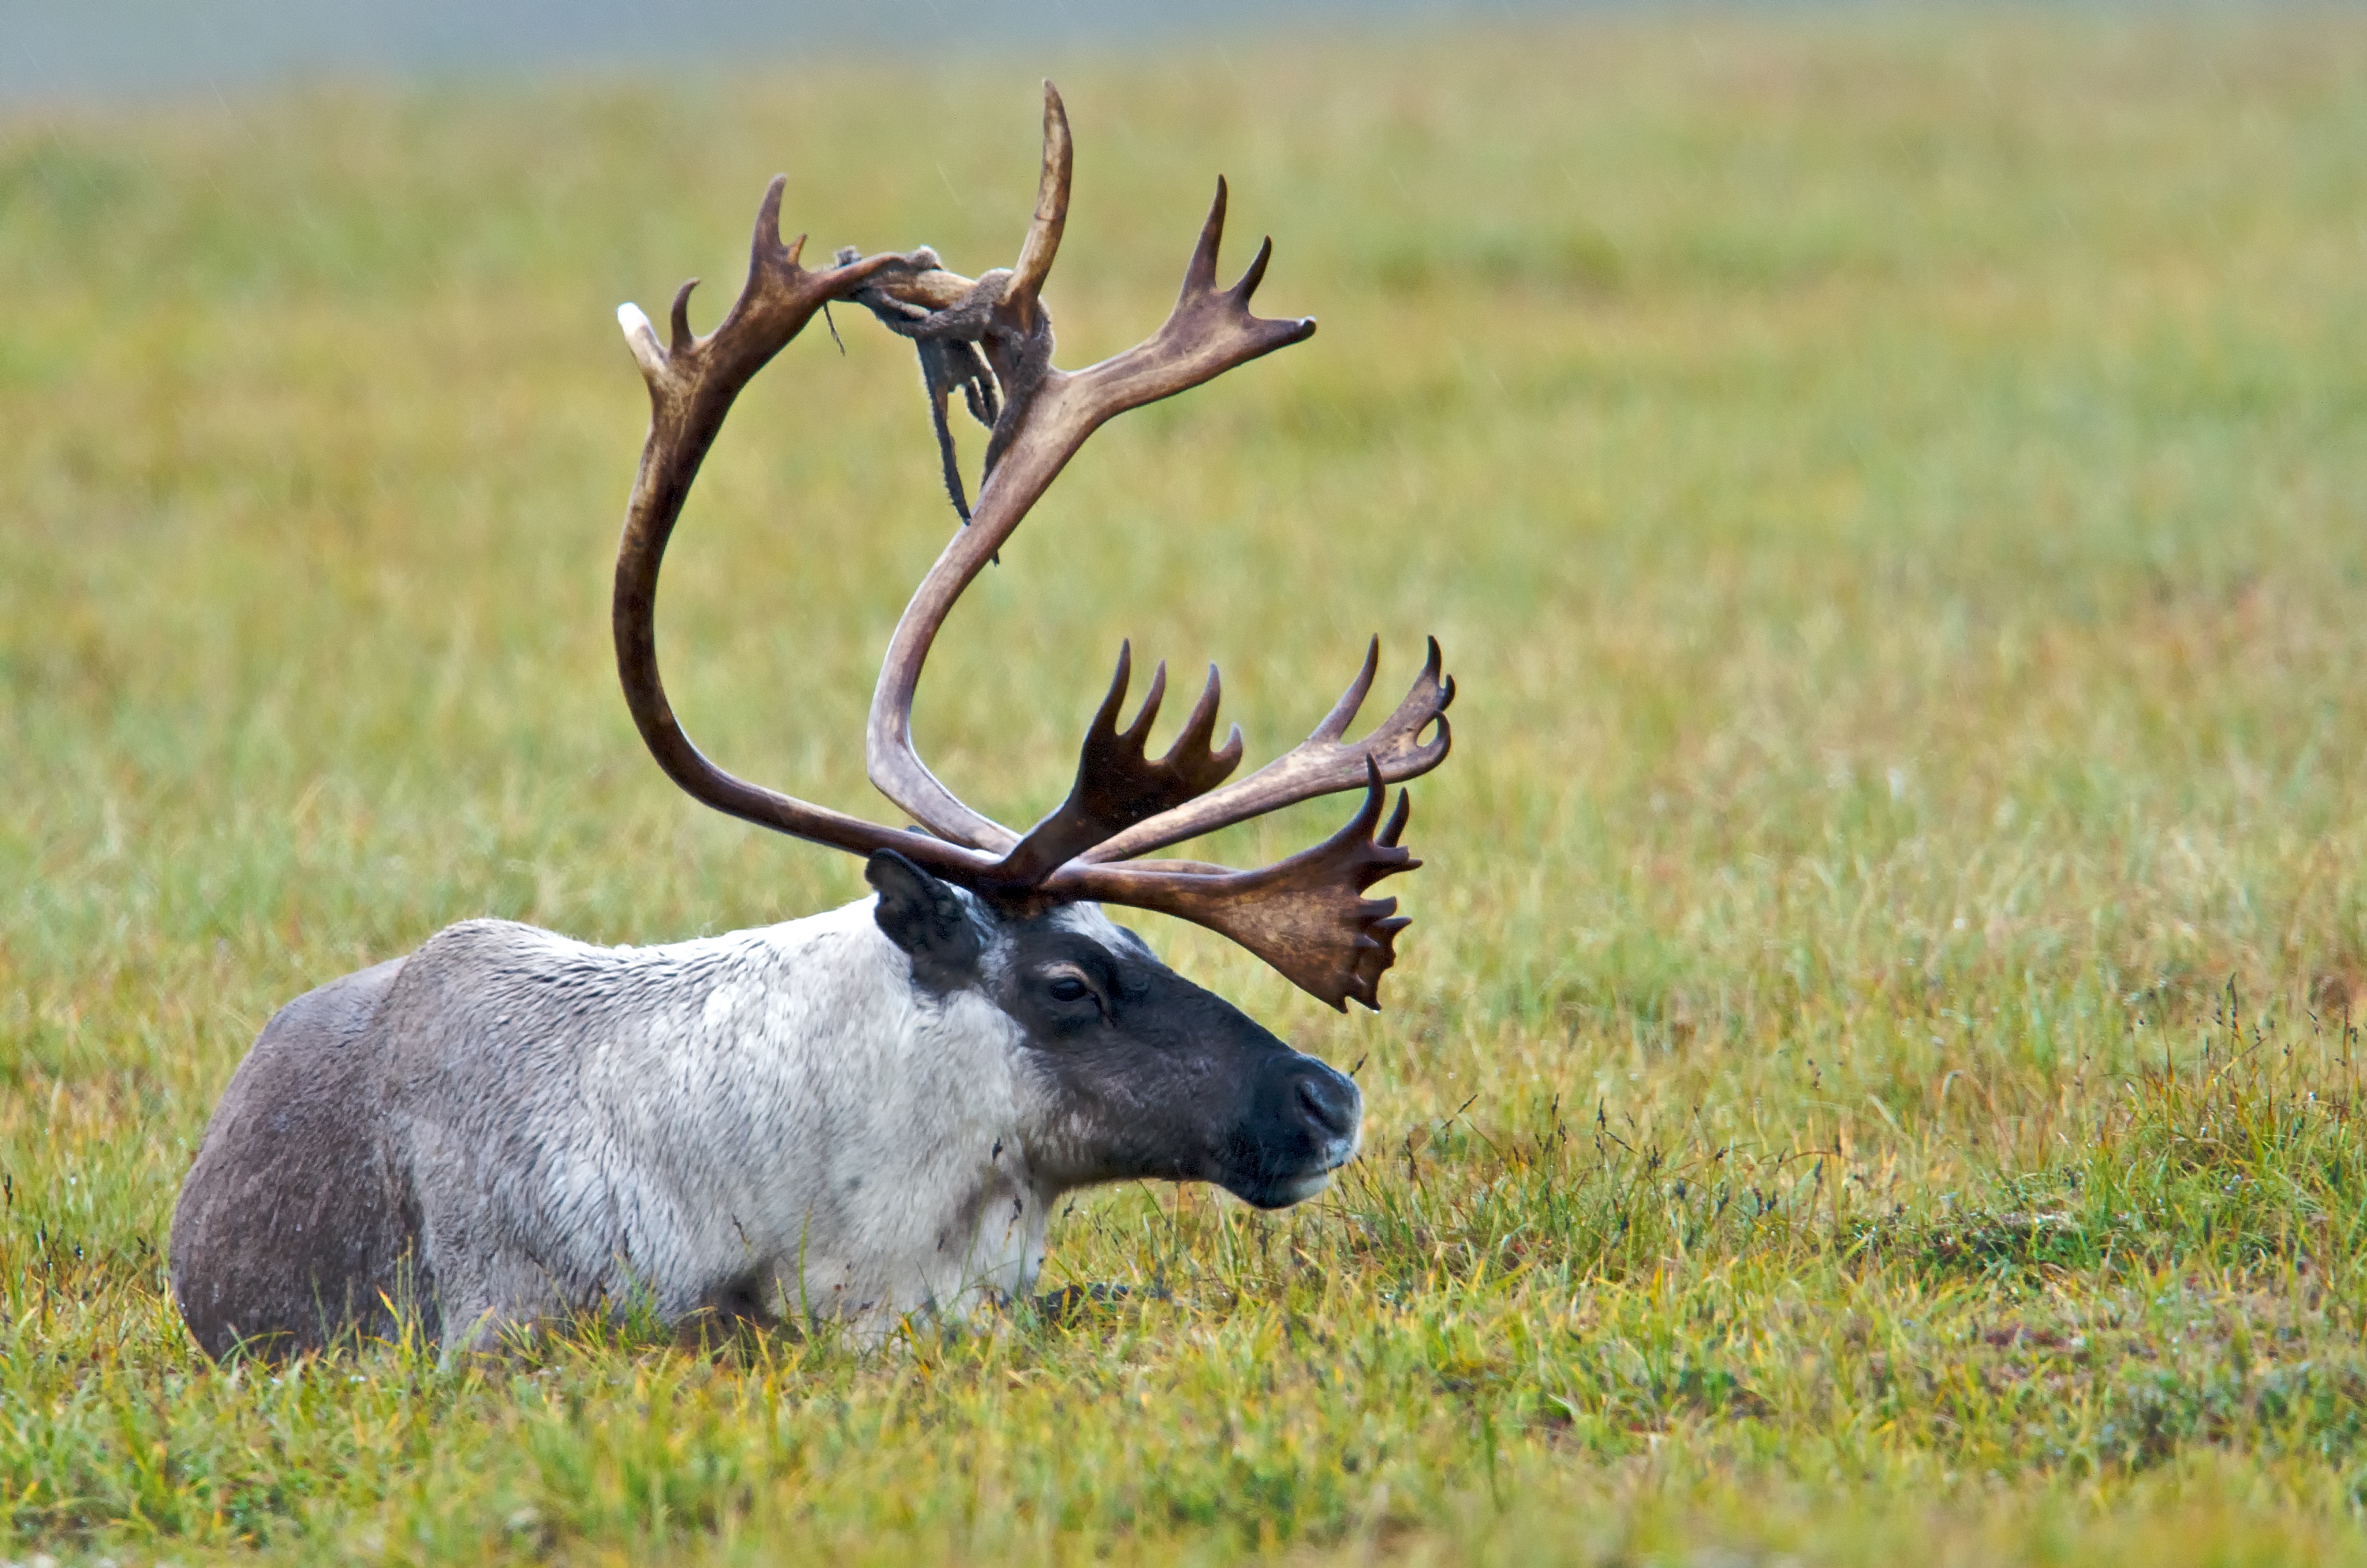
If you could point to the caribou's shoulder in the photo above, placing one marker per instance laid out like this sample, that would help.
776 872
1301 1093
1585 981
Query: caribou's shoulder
334 1015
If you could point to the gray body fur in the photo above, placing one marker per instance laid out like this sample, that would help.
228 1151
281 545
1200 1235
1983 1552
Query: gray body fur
508 1123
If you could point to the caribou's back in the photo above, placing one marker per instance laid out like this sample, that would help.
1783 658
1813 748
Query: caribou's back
297 1216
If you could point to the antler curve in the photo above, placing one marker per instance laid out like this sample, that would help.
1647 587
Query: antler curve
1307 916
693 381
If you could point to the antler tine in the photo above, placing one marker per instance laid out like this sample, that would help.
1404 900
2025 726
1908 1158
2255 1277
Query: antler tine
693 381
1343 712
1323 764
1051 218
1139 731
1200 272
1202 724
1205 323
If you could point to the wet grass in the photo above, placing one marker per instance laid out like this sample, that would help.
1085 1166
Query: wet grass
1876 1069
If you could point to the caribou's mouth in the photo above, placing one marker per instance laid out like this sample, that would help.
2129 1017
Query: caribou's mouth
1281 1191
1284 1194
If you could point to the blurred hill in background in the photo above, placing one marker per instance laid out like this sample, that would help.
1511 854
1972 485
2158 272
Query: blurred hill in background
53 50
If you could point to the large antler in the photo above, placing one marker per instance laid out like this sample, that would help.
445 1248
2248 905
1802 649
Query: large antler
692 382
1307 915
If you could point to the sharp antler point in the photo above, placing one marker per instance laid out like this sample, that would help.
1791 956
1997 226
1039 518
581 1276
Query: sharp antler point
768 213
642 338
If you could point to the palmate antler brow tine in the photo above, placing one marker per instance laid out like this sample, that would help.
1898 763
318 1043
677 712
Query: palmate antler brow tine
1117 781
1306 915
1323 764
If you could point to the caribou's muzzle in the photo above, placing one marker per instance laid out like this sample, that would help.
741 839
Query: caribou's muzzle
1303 1124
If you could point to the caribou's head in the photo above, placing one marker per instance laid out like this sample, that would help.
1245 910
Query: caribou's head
1146 1075
1155 1076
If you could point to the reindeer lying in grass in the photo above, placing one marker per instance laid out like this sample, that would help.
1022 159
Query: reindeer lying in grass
863 1113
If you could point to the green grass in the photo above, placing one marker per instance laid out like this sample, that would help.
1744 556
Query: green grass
1873 1075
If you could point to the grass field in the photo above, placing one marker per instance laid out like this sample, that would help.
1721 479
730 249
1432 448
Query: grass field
1872 1074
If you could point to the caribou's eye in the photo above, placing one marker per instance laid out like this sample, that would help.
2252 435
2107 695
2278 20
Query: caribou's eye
1068 988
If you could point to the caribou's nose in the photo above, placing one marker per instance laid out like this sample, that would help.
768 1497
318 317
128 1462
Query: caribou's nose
1327 1099
1301 1126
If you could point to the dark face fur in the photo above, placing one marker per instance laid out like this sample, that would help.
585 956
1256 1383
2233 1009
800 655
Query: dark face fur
1156 1077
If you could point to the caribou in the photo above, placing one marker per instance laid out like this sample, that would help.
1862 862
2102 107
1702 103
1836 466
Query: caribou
862 1115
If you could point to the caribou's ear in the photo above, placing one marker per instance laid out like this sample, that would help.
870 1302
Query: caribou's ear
924 918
